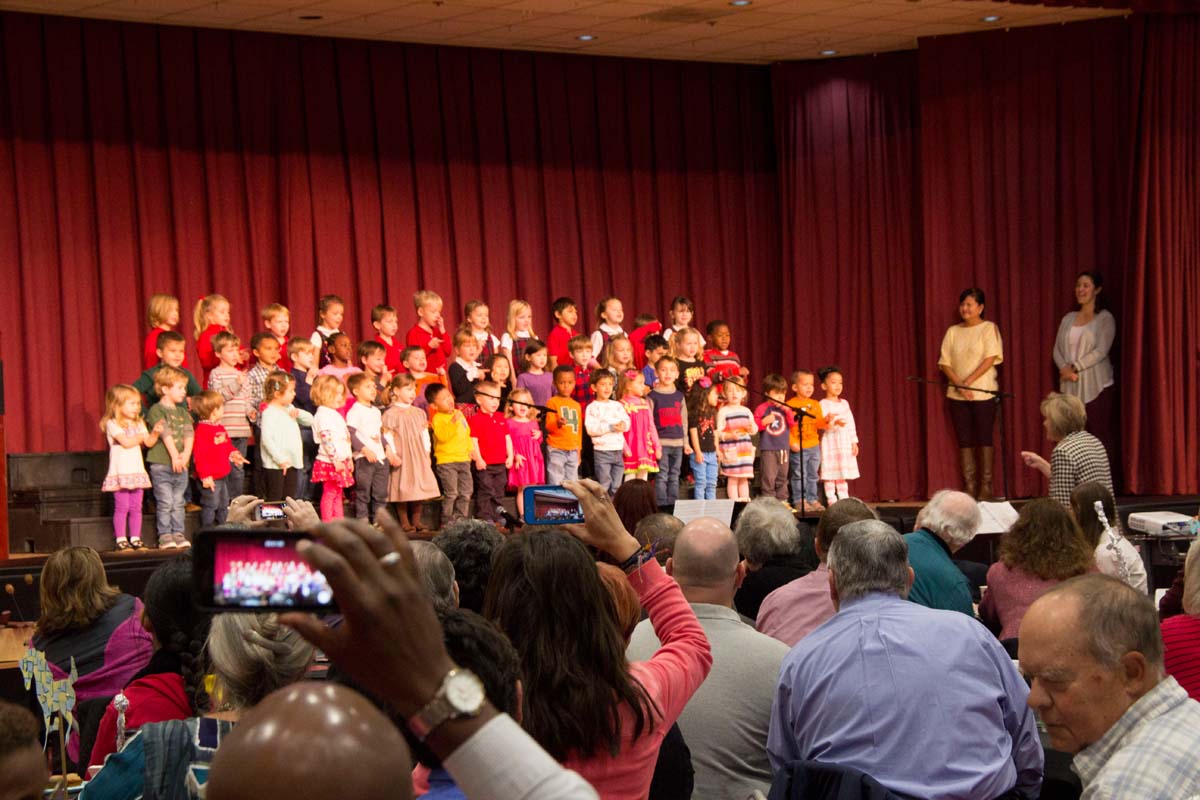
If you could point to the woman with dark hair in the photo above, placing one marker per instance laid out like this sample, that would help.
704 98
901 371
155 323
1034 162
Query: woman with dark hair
1043 548
1114 554
584 702
86 619
971 351
167 688
635 500
1081 353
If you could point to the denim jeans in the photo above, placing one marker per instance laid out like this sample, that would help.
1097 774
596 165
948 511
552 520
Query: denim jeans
610 469
666 483
562 465
812 465
214 503
704 468
168 498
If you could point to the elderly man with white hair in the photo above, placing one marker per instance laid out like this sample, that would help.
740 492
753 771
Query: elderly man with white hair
926 702
769 541
944 526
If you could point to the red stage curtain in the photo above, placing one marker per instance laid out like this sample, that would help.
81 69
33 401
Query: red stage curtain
1162 328
847 139
1023 158
137 159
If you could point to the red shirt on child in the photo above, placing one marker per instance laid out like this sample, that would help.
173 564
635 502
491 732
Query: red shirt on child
211 450
208 356
638 338
491 430
392 357
726 364
435 357
556 343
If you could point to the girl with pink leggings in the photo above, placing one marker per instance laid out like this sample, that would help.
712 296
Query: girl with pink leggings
126 432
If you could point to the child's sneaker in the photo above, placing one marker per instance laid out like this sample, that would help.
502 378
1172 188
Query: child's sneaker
167 542
181 541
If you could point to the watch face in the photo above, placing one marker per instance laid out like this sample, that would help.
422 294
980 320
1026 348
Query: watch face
465 692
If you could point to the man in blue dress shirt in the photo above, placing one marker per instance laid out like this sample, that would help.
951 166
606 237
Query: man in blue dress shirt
925 701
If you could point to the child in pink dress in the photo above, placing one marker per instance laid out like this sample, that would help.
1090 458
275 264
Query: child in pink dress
839 441
529 468
642 448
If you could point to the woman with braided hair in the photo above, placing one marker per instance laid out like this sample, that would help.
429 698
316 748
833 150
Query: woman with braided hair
250 656
168 686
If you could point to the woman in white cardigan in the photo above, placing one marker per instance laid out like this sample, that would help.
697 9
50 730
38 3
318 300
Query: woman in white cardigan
1081 352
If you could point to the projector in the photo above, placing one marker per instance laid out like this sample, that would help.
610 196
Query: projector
1163 523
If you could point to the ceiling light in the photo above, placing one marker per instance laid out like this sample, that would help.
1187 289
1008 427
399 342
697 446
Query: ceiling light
310 17
829 52
739 3
587 37
991 18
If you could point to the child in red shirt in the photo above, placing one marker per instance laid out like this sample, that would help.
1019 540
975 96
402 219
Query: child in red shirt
214 454
566 314
724 362
430 331
491 450
278 321
211 317
386 323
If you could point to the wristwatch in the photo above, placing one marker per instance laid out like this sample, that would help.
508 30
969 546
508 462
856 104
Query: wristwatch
461 696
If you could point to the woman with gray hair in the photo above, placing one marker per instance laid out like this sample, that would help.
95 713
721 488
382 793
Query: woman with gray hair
1181 633
1077 457
774 550
250 655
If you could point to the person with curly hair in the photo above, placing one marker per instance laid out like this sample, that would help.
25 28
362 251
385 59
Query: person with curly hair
470 544
1042 549
23 770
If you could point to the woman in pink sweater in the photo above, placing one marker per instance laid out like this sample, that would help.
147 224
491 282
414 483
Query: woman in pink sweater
590 708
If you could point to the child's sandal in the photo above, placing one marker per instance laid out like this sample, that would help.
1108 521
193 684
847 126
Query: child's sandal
136 544
123 544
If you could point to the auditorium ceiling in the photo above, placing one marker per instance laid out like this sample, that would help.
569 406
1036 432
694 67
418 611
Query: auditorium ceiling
757 32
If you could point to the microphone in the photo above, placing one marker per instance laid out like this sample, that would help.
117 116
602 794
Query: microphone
800 412
512 521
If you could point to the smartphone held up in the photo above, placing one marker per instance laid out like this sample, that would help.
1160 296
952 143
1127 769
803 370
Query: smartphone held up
551 505
239 569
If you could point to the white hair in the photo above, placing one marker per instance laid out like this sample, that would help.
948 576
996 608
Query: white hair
953 516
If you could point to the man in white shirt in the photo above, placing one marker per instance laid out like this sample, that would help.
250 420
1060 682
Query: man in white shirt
725 722
1092 650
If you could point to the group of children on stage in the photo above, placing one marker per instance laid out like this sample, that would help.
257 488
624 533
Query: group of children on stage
465 416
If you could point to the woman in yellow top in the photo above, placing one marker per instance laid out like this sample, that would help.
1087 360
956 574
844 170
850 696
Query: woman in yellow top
971 350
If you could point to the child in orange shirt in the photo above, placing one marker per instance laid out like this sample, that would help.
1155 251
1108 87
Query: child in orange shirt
805 442
564 428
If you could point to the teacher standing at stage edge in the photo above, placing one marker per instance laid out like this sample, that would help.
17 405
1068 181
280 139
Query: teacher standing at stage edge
1081 354
971 350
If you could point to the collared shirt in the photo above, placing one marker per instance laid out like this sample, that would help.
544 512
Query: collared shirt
937 583
926 702
1149 753
1078 458
796 609
725 722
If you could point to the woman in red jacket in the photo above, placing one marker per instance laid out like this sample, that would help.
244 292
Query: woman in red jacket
167 687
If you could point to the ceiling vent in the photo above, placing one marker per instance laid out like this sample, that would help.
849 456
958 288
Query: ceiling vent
685 15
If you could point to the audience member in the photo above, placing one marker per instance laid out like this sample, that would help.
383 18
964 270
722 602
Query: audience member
769 541
437 573
1181 633
168 686
471 546
274 750
1092 652
1113 552
390 643
659 531
725 723
926 702
944 526
635 500
798 608
626 607
1077 457
251 655
23 773
587 705
85 619
1043 548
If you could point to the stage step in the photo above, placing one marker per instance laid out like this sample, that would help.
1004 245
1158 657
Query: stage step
92 531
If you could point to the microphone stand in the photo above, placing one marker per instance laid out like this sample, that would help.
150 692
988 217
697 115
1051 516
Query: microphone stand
997 396
800 413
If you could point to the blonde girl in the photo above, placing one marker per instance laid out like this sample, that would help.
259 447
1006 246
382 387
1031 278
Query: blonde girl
618 355
478 321
210 317
529 468
642 447
127 479
162 312
334 465
407 446
685 346
331 310
518 333
735 448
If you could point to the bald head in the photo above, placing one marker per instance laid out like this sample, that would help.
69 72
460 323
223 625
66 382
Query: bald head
320 740
706 560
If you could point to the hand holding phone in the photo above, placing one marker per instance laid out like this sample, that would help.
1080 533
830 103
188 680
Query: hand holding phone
256 570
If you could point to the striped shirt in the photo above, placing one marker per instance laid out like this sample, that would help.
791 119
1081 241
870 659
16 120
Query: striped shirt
1078 458
1149 753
